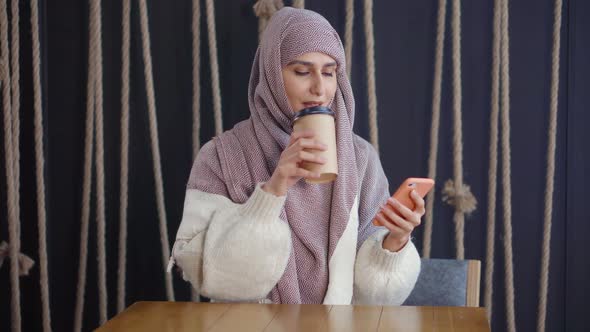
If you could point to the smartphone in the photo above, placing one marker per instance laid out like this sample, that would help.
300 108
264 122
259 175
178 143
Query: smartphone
402 194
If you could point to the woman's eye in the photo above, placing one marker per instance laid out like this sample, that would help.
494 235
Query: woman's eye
301 73
329 74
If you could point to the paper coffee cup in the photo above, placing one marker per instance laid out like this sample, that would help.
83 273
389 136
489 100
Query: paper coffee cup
320 120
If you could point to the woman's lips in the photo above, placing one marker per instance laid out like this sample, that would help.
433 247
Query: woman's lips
312 104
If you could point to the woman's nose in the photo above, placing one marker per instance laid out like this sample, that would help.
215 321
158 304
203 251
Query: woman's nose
317 86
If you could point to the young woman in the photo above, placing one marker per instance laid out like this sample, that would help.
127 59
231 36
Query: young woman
252 230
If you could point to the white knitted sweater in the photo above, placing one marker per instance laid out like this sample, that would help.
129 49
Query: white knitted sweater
238 252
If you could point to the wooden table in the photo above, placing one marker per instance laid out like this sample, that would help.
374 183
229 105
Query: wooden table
188 316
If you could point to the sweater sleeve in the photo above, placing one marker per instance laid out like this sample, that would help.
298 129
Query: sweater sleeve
233 252
382 277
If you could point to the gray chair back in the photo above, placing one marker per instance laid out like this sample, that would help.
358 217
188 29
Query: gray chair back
447 282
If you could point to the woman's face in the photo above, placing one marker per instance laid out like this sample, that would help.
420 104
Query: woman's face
310 80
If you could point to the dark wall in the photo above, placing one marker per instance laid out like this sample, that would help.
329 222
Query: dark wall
577 190
405 33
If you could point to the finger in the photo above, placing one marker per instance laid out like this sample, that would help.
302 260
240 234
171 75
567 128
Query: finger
416 220
404 211
394 218
406 223
302 155
302 172
391 227
307 143
300 134
418 202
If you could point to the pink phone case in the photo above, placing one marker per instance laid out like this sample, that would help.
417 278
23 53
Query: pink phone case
402 194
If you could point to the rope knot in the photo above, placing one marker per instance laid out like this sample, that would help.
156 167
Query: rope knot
25 263
266 8
461 198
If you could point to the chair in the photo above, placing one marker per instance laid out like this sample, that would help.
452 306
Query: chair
447 282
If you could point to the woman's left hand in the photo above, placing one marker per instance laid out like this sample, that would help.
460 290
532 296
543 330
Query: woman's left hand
400 221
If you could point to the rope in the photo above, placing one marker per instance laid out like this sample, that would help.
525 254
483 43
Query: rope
263 9
124 178
214 66
493 168
96 31
12 202
25 263
460 198
40 167
370 55
196 76
299 4
457 125
457 135
15 97
455 192
435 124
506 183
86 187
348 31
196 29
153 121
94 104
550 180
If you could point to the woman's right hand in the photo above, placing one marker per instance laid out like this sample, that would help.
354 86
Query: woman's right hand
289 170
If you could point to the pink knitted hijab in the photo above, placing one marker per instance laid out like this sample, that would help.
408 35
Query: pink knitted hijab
248 154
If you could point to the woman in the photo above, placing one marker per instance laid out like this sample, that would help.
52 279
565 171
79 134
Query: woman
253 231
